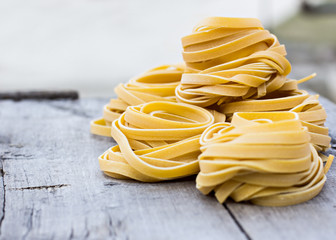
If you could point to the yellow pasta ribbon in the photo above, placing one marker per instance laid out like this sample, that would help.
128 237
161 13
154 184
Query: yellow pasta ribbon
313 116
250 77
263 157
157 84
217 40
230 62
310 112
281 101
156 141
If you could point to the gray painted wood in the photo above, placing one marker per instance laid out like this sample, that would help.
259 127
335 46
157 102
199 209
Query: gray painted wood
53 189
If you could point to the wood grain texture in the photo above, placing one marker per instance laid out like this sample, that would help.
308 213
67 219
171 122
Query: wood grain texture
52 187
315 219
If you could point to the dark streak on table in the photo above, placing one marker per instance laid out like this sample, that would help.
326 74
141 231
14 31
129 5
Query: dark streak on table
42 95
51 188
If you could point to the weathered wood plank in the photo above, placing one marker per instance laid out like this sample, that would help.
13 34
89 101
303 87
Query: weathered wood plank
315 219
54 188
2 195
18 96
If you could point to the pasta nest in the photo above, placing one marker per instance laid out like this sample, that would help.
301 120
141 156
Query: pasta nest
169 122
311 113
156 141
157 84
217 40
229 59
254 76
266 158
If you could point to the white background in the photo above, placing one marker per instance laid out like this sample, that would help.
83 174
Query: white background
91 45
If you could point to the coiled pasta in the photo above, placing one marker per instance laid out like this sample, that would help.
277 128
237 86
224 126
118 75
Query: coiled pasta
170 122
156 141
217 40
310 112
251 64
262 157
157 84
313 116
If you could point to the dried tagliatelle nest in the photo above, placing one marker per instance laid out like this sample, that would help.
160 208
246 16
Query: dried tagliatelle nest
229 114
264 157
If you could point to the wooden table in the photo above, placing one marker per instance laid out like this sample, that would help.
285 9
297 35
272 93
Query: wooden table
51 188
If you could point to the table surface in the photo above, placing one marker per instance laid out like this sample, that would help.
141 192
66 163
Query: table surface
51 187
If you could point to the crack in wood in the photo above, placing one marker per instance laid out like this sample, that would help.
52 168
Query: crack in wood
116 227
22 155
237 222
38 95
29 223
4 196
87 232
71 234
41 187
110 224
111 184
16 156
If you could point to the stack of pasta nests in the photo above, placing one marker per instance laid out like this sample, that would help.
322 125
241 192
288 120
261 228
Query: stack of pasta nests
229 114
